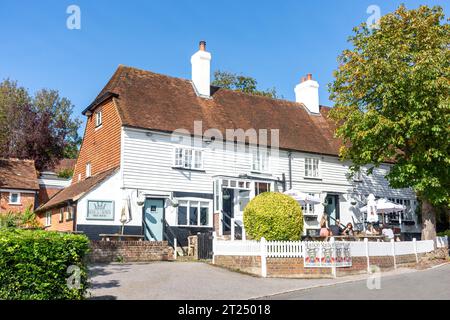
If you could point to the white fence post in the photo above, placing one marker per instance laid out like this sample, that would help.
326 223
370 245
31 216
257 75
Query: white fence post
232 229
393 253
366 243
415 249
333 254
263 257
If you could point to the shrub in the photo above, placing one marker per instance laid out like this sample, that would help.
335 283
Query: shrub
444 233
274 216
26 219
34 265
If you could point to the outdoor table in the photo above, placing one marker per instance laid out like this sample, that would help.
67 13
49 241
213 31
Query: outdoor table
120 237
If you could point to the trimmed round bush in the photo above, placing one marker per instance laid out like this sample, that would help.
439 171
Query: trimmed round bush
274 216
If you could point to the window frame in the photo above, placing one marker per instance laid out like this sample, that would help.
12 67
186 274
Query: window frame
98 116
70 214
61 215
19 200
48 219
201 204
88 173
262 159
318 171
188 159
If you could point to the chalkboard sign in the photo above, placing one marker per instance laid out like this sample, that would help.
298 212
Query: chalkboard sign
100 210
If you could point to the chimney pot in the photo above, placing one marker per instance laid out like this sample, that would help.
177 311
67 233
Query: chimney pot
303 79
202 45
309 76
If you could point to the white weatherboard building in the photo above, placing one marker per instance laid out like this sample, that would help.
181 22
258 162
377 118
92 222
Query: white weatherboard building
170 185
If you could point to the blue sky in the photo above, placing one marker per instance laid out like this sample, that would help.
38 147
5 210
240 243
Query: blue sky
276 42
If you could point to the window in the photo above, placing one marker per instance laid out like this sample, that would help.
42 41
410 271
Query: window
70 214
188 158
88 170
61 215
14 198
98 118
308 209
261 187
48 219
260 161
193 213
312 168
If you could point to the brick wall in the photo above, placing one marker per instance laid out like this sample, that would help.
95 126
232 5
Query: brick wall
101 146
294 268
130 251
56 224
26 200
248 264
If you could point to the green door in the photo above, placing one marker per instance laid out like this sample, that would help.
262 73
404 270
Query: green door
154 219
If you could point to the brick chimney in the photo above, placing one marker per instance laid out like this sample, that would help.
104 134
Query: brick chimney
307 92
201 70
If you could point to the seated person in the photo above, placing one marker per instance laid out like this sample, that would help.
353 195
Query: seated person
348 231
336 229
388 233
371 230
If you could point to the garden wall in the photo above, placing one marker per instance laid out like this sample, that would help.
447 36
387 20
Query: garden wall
129 251
294 268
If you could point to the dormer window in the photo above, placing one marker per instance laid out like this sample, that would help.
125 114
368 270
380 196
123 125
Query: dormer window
98 118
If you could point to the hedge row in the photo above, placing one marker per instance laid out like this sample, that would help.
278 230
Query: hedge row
42 265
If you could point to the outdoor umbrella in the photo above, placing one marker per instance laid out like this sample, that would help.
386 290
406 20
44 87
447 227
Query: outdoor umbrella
125 216
303 198
381 206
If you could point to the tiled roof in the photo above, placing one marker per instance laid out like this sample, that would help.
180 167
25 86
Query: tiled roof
18 174
77 190
153 101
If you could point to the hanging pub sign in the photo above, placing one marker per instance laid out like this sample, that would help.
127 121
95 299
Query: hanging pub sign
327 255
100 210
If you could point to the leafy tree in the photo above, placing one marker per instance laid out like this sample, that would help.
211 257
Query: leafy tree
38 127
241 83
391 93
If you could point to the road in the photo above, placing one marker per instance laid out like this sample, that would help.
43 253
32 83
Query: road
432 284
200 281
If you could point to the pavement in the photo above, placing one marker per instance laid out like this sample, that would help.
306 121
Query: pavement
201 281
430 284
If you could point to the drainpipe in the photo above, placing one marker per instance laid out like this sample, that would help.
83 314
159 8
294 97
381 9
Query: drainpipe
290 170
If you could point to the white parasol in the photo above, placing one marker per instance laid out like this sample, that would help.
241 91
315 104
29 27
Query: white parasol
303 198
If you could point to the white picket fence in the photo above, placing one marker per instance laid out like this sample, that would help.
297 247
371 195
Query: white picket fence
295 249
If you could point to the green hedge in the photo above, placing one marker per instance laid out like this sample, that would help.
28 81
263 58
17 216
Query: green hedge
274 216
34 265
444 233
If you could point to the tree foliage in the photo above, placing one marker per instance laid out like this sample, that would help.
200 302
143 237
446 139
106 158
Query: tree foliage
241 83
38 127
392 100
391 94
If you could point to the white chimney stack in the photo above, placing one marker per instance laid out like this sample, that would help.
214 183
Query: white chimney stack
307 92
201 70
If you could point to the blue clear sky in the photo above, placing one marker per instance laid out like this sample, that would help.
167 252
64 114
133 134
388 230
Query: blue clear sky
276 42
